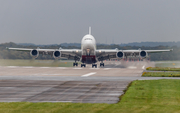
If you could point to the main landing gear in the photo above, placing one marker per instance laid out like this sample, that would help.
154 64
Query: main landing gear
75 64
94 65
102 64
83 65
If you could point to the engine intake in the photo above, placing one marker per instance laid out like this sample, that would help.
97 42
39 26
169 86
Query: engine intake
120 54
34 53
56 54
143 54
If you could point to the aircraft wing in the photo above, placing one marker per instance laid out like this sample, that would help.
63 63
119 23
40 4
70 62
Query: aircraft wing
104 54
64 53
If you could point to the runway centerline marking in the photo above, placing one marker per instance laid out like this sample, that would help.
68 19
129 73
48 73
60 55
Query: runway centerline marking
61 67
93 68
77 68
27 67
89 74
107 68
132 67
44 67
143 67
12 66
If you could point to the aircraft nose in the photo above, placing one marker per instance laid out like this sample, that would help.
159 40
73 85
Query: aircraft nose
89 43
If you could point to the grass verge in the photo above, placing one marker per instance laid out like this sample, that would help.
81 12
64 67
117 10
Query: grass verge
172 64
152 96
162 69
161 74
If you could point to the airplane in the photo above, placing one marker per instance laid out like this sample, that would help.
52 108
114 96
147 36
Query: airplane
88 54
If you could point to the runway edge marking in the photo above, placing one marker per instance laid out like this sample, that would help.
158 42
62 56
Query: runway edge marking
89 74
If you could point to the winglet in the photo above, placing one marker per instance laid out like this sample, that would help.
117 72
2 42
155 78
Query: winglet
89 30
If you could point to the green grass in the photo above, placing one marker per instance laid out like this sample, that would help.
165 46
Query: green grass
151 96
167 64
161 74
162 69
37 63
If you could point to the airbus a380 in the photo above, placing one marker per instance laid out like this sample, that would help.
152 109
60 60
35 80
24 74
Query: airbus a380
88 54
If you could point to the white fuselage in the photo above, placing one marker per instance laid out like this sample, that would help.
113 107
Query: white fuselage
88 47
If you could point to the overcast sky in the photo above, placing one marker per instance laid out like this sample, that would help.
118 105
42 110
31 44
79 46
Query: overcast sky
59 21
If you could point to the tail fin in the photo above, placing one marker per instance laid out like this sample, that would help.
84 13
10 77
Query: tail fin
89 30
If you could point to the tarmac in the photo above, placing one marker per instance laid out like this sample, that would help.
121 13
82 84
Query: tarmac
70 84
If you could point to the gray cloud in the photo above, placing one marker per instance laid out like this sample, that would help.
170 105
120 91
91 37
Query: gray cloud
58 21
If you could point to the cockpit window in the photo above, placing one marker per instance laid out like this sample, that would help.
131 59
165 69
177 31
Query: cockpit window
88 39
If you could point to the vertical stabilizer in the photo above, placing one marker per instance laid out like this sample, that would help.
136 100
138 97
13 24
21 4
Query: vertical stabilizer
89 30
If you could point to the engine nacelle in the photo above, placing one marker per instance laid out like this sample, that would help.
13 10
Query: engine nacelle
120 54
34 53
56 54
143 54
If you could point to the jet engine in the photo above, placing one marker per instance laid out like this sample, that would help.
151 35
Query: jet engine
120 54
143 54
56 54
34 53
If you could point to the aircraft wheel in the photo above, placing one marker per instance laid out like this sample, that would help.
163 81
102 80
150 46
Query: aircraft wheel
101 64
95 65
75 64
83 65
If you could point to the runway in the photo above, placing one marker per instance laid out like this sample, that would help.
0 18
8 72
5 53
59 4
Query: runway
61 91
111 69
70 84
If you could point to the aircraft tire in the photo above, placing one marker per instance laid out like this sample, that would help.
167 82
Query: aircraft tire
101 64
83 65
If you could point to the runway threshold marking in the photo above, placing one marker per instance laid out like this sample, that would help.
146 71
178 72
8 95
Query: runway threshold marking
89 74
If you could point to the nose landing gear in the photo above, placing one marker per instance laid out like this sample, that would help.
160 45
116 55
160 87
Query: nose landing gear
94 65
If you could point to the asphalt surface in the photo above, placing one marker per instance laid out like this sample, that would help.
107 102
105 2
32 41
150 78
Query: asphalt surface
70 84
61 91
